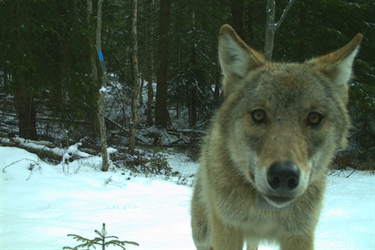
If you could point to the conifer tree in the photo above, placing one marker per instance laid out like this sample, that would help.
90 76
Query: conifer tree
101 241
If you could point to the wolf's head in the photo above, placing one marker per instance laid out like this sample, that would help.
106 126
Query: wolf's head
283 121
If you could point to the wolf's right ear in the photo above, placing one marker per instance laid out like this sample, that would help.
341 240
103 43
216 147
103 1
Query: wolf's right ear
338 65
236 57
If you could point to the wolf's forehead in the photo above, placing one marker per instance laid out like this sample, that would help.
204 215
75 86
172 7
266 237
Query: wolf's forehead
286 79
285 84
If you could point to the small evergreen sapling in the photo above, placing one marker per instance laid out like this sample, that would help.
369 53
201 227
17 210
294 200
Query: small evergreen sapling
99 241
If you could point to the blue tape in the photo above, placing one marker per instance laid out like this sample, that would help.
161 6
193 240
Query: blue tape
100 55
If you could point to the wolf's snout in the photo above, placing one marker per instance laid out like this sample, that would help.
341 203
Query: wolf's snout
283 176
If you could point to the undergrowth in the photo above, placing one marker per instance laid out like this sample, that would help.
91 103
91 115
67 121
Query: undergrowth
152 164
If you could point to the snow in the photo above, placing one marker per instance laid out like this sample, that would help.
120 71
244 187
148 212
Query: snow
111 150
73 150
42 203
103 90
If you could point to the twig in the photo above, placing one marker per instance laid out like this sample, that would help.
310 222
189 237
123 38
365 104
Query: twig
31 166
351 173
31 171
17 162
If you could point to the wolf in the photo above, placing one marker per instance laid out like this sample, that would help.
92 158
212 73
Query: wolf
264 160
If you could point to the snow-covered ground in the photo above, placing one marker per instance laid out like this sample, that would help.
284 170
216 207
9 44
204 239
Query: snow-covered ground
42 203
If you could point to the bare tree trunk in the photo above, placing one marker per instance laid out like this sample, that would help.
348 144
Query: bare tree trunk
94 69
150 59
101 118
25 107
23 98
161 110
193 85
141 86
93 63
272 26
237 16
134 121
270 29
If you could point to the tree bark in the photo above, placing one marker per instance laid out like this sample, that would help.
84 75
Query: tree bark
193 85
101 115
134 121
140 88
270 29
94 68
272 26
93 56
24 104
23 98
150 59
46 152
161 110
237 16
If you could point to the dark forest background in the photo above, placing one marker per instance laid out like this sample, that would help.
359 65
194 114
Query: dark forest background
49 88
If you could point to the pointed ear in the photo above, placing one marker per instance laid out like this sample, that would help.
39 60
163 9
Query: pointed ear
236 57
337 66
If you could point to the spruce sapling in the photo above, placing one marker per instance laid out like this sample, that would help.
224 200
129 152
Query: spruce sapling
99 241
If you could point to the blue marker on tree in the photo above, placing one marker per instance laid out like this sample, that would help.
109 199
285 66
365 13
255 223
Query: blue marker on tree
101 61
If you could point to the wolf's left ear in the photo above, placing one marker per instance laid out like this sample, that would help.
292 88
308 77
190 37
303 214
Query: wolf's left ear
338 65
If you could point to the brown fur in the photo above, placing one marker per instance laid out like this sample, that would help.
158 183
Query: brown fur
274 116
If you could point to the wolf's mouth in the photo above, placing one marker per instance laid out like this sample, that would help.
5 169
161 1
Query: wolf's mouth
278 199
269 202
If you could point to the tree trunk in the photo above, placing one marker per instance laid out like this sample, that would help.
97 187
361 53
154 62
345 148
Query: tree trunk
94 68
93 63
101 115
134 121
150 59
141 86
270 29
302 16
161 110
272 26
237 16
193 85
24 104
23 98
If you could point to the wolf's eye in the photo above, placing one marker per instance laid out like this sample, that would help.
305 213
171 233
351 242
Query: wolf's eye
314 119
258 116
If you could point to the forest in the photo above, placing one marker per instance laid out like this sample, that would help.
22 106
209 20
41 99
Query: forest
158 81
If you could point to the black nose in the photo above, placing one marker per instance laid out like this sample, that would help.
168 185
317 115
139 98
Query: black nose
283 176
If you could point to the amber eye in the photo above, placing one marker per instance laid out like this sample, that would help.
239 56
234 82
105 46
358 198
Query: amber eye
314 119
258 116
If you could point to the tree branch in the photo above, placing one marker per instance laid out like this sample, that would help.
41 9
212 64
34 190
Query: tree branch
282 17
